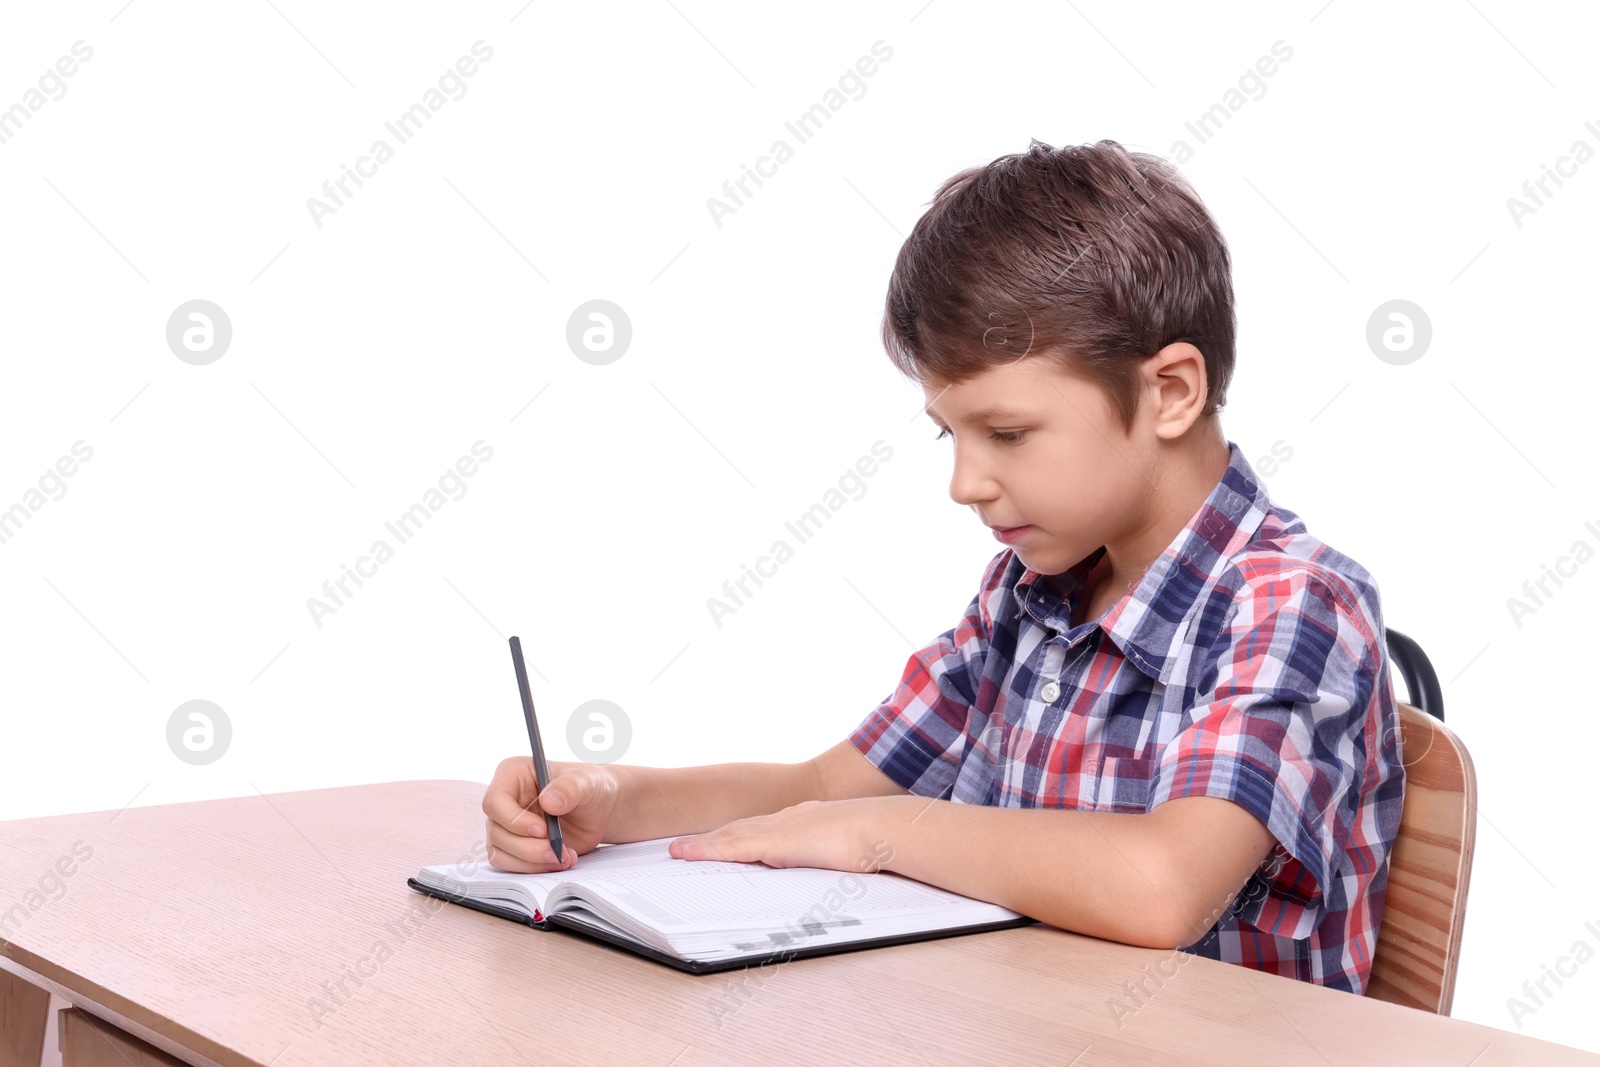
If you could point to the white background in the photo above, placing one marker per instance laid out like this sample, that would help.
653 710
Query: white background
371 352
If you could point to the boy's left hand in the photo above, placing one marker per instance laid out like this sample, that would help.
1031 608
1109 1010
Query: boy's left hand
834 834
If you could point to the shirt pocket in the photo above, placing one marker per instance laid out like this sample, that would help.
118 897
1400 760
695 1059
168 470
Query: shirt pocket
1122 783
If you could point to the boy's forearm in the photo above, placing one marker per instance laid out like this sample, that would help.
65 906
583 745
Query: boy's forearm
1093 872
674 801
678 801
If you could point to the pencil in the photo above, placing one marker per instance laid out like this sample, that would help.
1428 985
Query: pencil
540 769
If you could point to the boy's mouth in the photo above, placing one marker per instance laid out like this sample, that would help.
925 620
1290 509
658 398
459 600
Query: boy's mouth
1010 534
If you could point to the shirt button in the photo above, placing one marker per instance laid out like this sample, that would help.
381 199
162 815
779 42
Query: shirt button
1049 693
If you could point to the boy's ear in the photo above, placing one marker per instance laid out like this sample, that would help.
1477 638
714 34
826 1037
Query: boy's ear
1175 385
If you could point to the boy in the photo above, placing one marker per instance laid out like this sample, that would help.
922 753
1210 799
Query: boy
1166 717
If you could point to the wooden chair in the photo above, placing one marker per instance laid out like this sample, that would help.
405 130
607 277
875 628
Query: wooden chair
1419 934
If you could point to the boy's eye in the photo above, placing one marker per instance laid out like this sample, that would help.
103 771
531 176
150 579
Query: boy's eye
1010 437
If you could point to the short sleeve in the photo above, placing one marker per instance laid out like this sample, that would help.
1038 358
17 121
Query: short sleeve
919 733
1285 723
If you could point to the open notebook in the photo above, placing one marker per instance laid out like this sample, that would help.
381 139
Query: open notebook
706 915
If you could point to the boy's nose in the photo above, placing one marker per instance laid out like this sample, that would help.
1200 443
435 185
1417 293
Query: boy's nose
971 487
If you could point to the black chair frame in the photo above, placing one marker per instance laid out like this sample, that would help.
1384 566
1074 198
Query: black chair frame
1422 684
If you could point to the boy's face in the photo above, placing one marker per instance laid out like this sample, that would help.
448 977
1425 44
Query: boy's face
1054 460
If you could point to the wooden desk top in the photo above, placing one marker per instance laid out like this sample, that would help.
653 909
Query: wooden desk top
217 927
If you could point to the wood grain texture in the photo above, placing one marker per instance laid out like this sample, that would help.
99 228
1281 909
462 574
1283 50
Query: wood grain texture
89 1042
24 1017
1419 936
215 926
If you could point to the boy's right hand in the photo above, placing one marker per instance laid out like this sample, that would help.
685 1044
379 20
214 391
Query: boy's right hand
583 795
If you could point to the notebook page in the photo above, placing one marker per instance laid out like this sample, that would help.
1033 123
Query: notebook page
723 915
482 882
774 895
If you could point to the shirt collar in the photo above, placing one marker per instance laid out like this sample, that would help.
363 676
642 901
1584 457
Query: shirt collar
1147 622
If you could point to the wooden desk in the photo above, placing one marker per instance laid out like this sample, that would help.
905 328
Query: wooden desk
220 932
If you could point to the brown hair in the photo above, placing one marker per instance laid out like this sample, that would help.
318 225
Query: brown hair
1091 255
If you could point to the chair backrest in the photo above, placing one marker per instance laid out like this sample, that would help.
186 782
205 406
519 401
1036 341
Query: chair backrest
1419 933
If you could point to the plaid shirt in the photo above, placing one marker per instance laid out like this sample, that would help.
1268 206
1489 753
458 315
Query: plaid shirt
1248 663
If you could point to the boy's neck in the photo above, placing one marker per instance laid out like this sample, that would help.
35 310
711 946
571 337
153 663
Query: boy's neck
1188 472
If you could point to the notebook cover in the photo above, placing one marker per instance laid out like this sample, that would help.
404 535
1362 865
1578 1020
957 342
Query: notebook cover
567 922
498 910
782 955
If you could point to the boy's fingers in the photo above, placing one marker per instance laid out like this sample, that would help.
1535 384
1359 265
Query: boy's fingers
512 792
501 806
558 799
501 860
525 850
524 855
569 792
